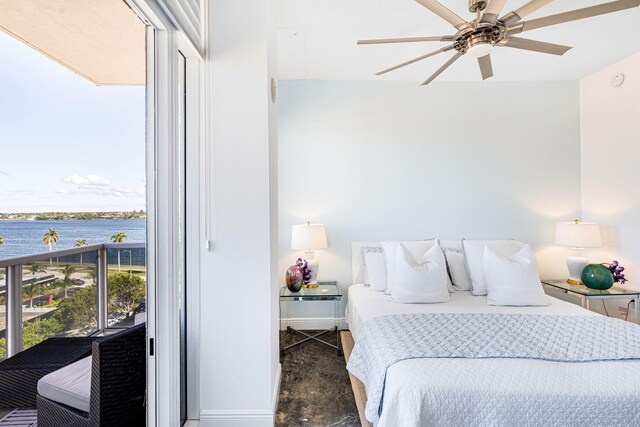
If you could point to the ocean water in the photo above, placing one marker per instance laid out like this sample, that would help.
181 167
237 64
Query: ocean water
25 237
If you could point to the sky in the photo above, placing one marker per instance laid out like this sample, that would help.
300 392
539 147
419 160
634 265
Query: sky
67 145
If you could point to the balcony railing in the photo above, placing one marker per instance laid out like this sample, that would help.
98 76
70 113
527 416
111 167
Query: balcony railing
68 305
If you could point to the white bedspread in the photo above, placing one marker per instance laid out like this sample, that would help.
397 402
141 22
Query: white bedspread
498 392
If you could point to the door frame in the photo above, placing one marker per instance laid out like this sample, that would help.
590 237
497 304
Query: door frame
164 44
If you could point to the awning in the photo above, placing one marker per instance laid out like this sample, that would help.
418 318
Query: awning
100 40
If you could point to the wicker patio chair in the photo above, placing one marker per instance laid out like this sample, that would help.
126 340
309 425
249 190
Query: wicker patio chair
19 374
118 385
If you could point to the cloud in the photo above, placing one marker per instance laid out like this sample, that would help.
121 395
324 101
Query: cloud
104 191
89 180
4 173
132 192
18 192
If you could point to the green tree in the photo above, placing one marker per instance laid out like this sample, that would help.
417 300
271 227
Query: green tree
34 332
67 270
125 292
77 311
34 288
37 331
1 240
36 268
80 242
119 237
32 291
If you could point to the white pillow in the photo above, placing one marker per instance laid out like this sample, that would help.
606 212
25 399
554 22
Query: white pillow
513 280
358 252
473 254
417 248
423 281
458 270
376 271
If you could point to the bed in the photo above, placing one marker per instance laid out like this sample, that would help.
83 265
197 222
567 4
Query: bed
496 391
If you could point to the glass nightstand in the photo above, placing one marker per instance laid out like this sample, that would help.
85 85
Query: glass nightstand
327 291
586 294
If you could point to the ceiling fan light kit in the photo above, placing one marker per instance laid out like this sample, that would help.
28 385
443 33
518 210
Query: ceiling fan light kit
479 36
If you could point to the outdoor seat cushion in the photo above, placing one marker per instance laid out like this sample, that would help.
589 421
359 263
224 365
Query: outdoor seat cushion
70 385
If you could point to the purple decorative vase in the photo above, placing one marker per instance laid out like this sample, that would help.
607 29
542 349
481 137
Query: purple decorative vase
293 278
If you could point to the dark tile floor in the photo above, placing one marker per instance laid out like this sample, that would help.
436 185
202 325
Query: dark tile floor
315 388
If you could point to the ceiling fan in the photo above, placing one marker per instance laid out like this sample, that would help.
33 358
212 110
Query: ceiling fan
477 37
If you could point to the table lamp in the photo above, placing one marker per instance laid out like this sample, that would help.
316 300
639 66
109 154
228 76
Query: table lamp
577 235
309 237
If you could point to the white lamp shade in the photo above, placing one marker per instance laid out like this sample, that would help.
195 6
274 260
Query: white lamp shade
308 237
578 234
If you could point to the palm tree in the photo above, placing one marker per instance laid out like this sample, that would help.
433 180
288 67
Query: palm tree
119 237
80 242
35 268
51 238
67 270
34 289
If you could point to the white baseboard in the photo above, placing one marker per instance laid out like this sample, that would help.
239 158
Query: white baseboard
244 418
306 323
236 418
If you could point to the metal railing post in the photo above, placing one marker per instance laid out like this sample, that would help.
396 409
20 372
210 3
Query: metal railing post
102 288
14 309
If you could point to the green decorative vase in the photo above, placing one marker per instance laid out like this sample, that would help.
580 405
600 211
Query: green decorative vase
597 276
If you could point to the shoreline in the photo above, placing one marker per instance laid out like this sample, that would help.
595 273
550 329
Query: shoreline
81 216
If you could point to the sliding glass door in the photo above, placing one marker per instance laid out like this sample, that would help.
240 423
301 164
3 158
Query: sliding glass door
182 300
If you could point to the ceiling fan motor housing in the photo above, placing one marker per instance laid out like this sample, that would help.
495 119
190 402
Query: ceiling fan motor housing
488 34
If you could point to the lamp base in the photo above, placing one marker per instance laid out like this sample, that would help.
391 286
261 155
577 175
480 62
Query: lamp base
576 264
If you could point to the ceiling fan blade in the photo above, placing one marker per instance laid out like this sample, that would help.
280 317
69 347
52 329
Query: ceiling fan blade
575 15
485 66
491 13
446 65
408 40
534 45
419 58
512 17
445 13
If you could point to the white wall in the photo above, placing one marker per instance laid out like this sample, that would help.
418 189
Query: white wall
391 160
239 336
610 141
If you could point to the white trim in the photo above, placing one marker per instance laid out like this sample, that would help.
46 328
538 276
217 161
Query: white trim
151 228
236 418
188 21
308 323
193 155
169 257
276 389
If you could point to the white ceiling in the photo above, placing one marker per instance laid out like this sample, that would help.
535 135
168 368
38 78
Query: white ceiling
317 41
